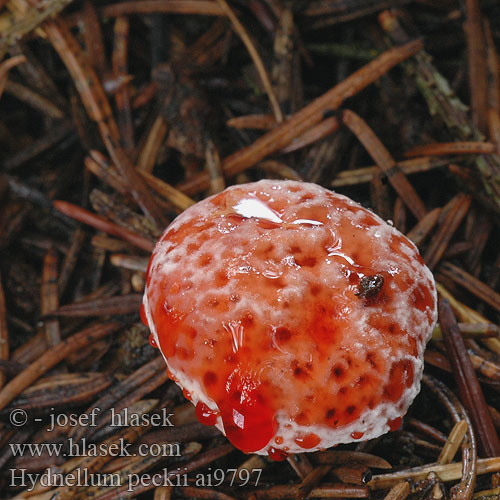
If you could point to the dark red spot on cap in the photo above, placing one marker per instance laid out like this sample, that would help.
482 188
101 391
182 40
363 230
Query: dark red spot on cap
282 334
209 379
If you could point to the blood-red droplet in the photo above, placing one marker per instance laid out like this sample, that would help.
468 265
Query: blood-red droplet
152 341
248 420
308 441
205 414
277 455
357 435
186 394
395 424
278 440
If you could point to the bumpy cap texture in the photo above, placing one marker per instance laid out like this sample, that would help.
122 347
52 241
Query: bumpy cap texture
293 318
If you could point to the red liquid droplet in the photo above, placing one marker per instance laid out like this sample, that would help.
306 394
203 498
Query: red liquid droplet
186 394
357 435
308 441
277 455
278 440
249 422
395 424
206 415
152 341
171 376
142 313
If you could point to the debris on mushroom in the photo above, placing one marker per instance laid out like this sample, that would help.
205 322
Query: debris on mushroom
370 286
293 318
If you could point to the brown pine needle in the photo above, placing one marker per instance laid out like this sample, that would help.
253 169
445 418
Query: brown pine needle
50 296
163 493
258 122
470 391
366 174
254 54
200 7
5 67
447 473
453 443
458 209
452 148
99 110
399 491
384 160
476 59
102 224
151 148
307 117
52 357
316 133
471 283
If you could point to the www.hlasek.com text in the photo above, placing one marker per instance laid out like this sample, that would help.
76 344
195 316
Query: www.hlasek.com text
83 448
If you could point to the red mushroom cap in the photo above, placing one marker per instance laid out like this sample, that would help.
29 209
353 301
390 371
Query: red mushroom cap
294 318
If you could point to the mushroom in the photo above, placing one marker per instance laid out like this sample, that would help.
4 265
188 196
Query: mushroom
293 318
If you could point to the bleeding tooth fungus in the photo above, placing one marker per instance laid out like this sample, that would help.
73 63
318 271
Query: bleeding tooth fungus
294 318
